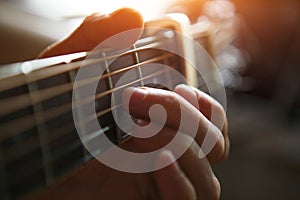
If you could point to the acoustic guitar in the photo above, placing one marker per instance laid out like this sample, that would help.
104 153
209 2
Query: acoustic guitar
39 144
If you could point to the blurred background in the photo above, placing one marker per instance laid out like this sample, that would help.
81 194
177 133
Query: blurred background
256 44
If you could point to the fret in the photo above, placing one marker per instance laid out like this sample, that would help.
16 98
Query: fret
137 61
169 79
42 135
11 145
168 62
72 75
112 98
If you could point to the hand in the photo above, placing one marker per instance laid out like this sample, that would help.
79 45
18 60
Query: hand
189 178
95 29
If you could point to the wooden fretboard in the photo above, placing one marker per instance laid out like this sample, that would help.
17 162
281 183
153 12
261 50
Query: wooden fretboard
38 139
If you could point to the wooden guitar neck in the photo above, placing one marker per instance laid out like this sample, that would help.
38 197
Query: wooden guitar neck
38 140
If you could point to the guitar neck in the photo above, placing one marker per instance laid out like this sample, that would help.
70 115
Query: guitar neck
38 141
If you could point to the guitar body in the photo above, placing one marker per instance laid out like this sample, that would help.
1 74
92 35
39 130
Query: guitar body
41 154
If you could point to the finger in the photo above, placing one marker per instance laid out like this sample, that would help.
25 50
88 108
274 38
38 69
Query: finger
210 108
197 170
180 114
200 174
171 181
98 27
205 103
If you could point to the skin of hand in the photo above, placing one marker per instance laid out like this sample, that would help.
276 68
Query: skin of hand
187 178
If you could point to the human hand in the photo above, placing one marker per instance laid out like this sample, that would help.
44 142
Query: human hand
95 29
189 178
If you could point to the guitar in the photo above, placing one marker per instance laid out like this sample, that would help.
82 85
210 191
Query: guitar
39 143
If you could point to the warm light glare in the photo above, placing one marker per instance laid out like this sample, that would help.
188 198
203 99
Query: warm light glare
72 8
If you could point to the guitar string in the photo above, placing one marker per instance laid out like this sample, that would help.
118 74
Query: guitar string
108 110
9 130
32 144
79 161
49 71
13 104
101 95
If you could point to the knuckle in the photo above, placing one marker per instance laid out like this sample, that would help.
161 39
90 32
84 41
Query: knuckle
171 98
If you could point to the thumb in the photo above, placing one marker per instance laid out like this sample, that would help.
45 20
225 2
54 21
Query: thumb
98 27
171 181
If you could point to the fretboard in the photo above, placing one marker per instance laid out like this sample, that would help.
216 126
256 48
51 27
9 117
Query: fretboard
38 139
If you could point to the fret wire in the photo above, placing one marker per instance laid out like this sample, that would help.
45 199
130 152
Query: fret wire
79 114
14 103
42 135
19 79
111 86
98 96
137 61
91 117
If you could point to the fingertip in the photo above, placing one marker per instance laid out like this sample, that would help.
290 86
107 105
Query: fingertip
188 94
132 96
